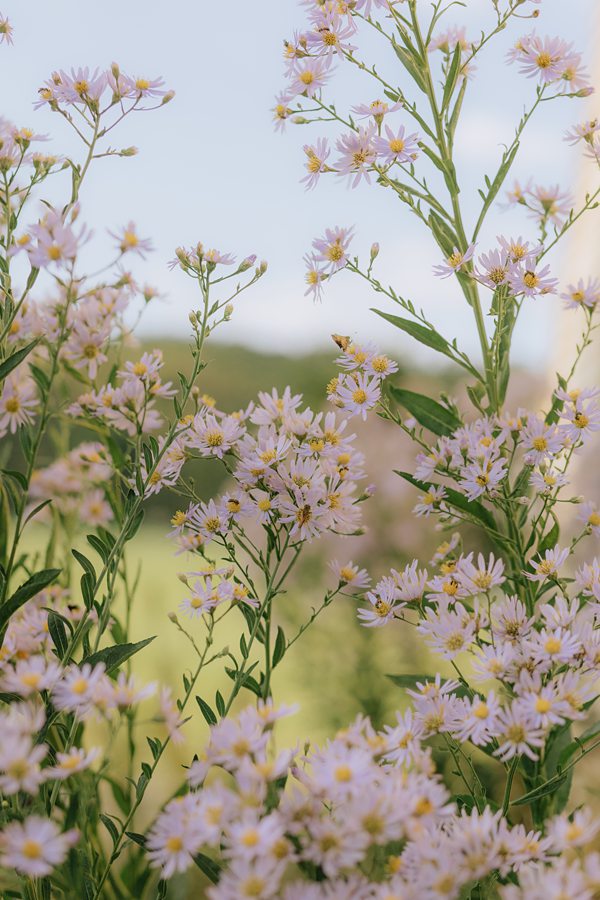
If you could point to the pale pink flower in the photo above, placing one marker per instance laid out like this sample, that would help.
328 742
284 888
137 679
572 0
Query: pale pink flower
35 846
455 262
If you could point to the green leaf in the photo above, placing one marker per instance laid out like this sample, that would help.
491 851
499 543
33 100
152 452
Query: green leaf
111 828
429 413
211 869
427 336
115 656
548 787
550 539
206 711
16 358
58 633
452 77
458 500
85 563
280 646
25 592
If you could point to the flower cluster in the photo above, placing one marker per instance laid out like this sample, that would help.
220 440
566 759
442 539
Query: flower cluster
366 796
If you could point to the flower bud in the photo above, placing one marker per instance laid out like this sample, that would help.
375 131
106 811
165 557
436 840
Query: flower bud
262 267
129 151
173 618
247 263
374 251
300 120
228 312
193 319
168 97
114 68
183 578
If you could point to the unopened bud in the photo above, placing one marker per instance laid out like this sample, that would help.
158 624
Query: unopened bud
228 312
129 151
193 319
114 68
300 120
168 97
183 578
262 267
374 251
200 250
173 618
247 263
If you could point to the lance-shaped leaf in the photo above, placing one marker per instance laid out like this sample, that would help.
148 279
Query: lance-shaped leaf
25 592
11 362
115 656
428 413
474 509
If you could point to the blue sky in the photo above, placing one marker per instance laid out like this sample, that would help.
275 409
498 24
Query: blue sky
211 167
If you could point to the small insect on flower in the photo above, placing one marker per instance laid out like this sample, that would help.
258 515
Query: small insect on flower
455 262
525 278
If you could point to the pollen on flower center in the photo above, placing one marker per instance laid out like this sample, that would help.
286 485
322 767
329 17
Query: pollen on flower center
481 711
307 77
552 645
544 60
540 444
359 396
12 405
264 504
214 438
455 260
32 849
54 252
178 518
542 705
335 252
530 279
343 773
396 145
581 420
174 844
250 838
80 686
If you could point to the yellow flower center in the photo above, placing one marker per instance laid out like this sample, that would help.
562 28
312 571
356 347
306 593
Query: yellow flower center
530 279
481 711
542 705
174 844
396 145
359 396
552 645
31 849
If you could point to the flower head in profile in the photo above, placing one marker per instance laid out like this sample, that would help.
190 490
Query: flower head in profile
6 30
455 262
358 154
547 566
316 155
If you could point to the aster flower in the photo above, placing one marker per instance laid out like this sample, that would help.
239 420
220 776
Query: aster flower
128 241
516 249
350 575
18 402
581 421
308 76
543 57
315 165
6 30
482 476
397 147
376 110
548 565
582 294
281 111
35 846
526 279
455 262
547 481
492 269
550 204
480 720
589 515
541 442
516 734
358 154
330 34
358 393
333 248
430 502
481 577
584 132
